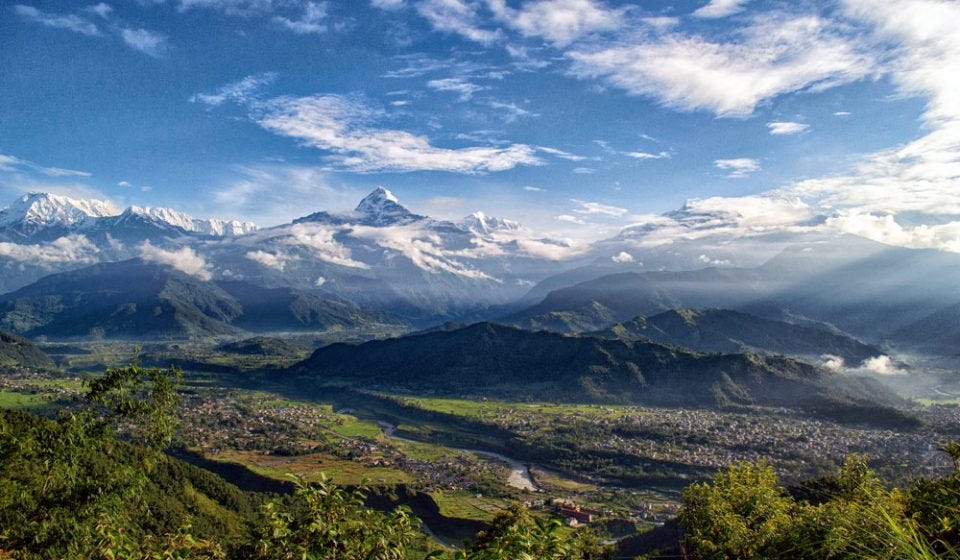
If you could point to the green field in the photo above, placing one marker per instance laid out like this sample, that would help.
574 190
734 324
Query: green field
22 401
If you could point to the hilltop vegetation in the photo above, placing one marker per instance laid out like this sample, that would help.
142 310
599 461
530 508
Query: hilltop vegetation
18 351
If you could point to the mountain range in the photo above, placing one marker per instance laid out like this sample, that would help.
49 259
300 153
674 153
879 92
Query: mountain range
406 270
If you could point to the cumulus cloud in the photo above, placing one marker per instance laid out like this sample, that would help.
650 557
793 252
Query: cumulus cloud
276 261
560 22
877 365
786 127
73 23
185 259
622 257
738 167
343 126
73 249
773 55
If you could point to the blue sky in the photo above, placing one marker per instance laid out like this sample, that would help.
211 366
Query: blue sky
576 117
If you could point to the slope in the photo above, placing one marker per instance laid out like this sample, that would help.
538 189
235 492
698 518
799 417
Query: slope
723 330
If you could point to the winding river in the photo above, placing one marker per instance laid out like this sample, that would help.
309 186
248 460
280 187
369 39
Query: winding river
519 476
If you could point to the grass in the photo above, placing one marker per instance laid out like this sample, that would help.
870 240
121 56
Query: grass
22 401
468 506
310 466
480 409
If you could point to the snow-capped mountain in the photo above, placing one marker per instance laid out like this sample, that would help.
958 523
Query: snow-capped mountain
380 254
36 211
186 222
381 208
480 223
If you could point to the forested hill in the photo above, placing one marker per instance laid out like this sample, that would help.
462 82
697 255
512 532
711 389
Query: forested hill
487 359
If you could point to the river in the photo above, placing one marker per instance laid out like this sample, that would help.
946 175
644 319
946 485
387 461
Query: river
519 476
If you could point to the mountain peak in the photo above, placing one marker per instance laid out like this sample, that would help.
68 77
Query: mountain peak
479 222
381 208
35 211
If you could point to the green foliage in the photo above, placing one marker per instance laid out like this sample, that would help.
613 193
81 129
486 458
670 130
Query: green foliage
745 514
327 523
140 396
515 534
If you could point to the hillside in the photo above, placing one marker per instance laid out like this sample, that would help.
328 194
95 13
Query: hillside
723 330
135 299
18 351
492 360
870 290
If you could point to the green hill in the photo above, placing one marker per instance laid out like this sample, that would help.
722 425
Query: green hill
499 361
18 351
722 330
134 299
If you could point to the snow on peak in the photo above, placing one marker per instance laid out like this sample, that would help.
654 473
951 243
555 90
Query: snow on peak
478 222
36 211
186 222
381 208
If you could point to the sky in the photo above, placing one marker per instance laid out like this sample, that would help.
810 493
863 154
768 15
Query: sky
574 117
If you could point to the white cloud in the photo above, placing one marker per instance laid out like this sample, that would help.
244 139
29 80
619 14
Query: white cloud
530 188
276 261
622 257
71 22
778 128
272 194
597 208
243 91
571 219
387 4
423 247
460 86
842 114
773 55
510 111
584 171
559 21
738 167
145 41
310 22
342 126
320 240
73 249
648 155
720 8
561 154
881 365
185 259
320 281
13 163
456 16
102 9
229 7
124 184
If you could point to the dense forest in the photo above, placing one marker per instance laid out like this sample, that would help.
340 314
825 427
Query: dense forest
94 482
